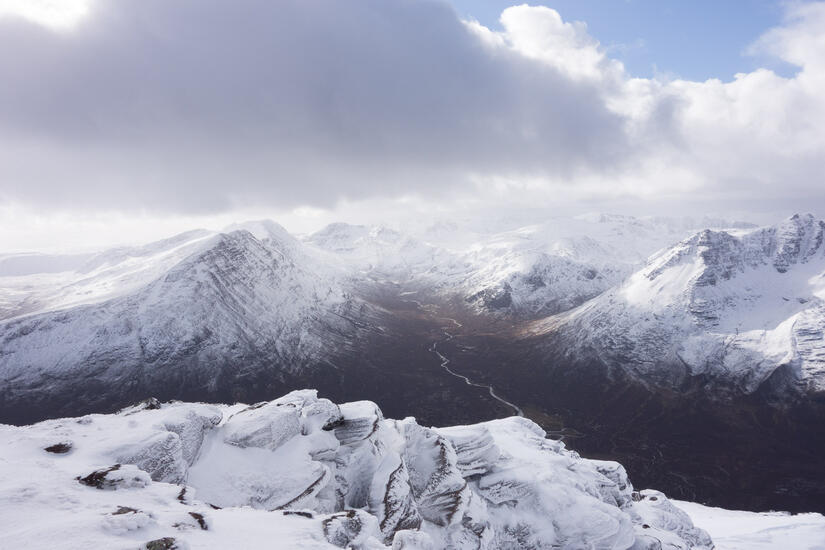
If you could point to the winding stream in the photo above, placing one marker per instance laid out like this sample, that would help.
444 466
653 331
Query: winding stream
445 362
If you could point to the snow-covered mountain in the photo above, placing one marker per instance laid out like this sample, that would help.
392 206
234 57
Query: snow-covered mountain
303 472
194 311
97 278
554 266
523 272
379 252
734 308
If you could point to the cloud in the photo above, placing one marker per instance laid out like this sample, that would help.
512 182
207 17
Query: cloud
756 138
192 107
760 135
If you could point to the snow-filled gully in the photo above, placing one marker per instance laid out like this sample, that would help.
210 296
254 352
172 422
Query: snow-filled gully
445 365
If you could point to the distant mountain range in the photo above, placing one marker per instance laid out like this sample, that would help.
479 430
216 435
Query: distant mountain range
738 307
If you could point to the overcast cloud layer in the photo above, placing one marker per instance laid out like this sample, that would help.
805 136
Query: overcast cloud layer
191 107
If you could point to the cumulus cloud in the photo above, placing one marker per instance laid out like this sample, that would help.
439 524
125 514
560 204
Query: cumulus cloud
761 134
193 106
755 139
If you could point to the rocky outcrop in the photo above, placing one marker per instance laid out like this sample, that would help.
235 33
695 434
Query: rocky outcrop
347 476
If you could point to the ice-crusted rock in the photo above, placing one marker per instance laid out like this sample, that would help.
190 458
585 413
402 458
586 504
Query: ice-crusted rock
350 529
616 488
476 452
226 475
391 497
533 480
173 437
412 540
364 443
266 425
359 421
160 455
341 476
663 521
315 413
191 426
437 485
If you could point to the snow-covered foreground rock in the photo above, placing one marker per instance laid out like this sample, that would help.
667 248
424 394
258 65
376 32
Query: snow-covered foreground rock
736 530
303 472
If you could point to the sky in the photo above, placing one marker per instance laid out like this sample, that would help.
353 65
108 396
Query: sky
694 40
127 120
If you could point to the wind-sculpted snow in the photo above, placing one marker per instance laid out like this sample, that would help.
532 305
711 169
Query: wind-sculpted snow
733 307
303 472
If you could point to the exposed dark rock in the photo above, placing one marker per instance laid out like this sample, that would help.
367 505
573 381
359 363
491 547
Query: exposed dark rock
59 448
97 479
148 404
332 424
200 519
166 543
299 513
494 298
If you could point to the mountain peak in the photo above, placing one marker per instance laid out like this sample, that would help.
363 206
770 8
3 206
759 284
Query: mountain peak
262 230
